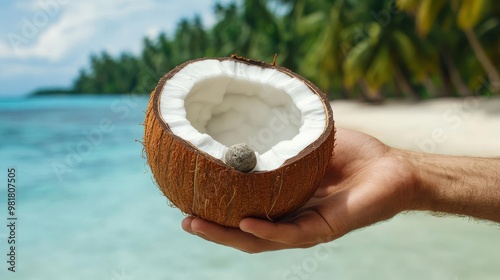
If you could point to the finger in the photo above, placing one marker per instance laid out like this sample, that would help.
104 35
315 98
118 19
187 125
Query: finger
231 237
186 224
304 230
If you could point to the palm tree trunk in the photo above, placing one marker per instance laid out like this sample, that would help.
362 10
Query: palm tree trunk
370 95
446 84
455 76
404 84
344 92
431 87
484 60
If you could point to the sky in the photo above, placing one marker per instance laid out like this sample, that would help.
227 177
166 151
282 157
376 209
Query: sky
44 43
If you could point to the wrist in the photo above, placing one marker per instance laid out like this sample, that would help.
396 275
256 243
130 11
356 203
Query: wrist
408 175
412 179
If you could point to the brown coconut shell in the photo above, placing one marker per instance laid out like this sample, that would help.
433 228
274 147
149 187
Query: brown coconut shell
203 186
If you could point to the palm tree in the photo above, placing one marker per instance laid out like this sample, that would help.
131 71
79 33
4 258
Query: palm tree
469 14
226 32
326 54
388 56
293 43
190 40
350 49
249 30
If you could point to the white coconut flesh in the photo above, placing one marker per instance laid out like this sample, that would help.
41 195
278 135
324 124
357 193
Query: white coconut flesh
215 104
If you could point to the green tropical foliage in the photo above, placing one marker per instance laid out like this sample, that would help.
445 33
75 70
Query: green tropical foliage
349 48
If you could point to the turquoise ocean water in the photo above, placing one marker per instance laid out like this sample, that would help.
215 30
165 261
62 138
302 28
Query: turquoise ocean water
87 208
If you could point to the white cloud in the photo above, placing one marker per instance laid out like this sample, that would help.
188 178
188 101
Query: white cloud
76 29
54 38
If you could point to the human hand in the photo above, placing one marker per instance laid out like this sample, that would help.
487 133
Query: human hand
366 182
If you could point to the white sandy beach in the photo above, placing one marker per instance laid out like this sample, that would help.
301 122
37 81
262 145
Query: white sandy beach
447 126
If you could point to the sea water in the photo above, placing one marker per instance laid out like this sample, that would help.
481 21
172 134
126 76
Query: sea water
87 208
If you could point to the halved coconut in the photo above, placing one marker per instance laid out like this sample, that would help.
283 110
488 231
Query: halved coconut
209 117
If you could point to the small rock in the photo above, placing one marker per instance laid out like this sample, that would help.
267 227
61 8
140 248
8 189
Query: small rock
241 157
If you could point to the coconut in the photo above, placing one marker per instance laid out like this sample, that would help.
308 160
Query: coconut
228 138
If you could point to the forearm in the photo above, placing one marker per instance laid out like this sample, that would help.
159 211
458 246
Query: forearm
456 185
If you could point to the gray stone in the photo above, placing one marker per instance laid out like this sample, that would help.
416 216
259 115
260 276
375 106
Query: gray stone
241 157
